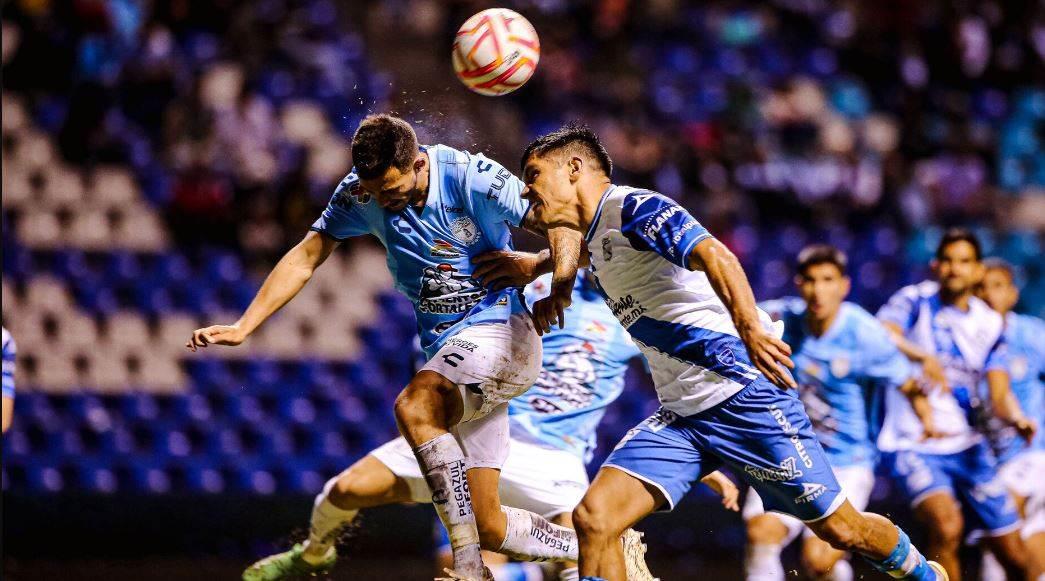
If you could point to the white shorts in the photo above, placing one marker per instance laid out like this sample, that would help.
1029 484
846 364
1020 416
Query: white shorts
1024 473
490 363
857 483
542 480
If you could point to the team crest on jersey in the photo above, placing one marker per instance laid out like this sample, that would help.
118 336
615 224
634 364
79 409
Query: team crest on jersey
465 230
444 249
1018 367
840 366
444 292
607 249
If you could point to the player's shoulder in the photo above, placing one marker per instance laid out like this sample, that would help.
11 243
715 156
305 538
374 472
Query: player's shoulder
9 342
860 322
446 155
349 192
636 201
1030 324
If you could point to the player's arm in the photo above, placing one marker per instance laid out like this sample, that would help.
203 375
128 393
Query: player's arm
769 354
285 281
725 488
932 369
1005 405
920 403
567 246
498 269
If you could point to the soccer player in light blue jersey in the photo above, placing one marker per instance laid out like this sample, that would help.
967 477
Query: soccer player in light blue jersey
433 208
1021 463
844 360
713 354
552 427
958 342
9 352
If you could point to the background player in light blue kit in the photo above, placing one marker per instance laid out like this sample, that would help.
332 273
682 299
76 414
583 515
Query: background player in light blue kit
686 302
843 359
957 339
1021 463
433 208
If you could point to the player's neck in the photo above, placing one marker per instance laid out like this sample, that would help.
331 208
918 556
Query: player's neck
589 195
818 327
957 300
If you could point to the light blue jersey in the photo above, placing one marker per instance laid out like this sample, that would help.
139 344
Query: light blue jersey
840 375
471 202
9 365
583 372
1025 338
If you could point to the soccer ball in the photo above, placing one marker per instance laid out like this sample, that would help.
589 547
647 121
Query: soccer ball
496 51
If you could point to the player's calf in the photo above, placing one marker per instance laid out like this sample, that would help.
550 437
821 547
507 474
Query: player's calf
766 537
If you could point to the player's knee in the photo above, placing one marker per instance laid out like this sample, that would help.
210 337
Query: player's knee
591 522
945 528
765 530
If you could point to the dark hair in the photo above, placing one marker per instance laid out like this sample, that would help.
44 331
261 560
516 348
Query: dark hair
954 235
571 135
383 141
995 263
815 254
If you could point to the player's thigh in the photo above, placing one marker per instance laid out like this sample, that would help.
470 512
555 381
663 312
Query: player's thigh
662 453
490 363
615 501
390 470
765 436
769 528
941 515
546 481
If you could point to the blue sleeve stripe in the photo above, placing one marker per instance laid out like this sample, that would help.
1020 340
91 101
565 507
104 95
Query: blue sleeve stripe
684 252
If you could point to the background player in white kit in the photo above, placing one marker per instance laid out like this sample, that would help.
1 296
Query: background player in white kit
710 351
9 352
958 341
844 360
1021 463
433 208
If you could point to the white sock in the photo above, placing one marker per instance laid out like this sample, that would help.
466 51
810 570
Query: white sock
842 571
327 522
531 537
442 462
990 568
762 563
571 574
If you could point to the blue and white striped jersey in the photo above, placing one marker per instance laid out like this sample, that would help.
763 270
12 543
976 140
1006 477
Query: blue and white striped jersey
639 243
968 344
9 353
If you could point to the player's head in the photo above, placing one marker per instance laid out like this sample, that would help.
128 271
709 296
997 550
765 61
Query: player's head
998 286
555 165
821 279
388 161
957 264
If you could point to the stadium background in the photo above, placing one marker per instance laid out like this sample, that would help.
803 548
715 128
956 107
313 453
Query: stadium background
158 158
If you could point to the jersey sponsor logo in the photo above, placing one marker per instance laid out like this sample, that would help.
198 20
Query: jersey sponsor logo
792 433
660 420
499 181
454 209
462 344
654 224
445 293
682 231
810 492
840 366
596 328
464 230
443 249
626 309
787 471
568 382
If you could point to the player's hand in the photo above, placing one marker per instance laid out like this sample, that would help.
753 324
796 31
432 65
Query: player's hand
499 269
217 335
771 356
930 432
551 310
933 374
1026 428
725 488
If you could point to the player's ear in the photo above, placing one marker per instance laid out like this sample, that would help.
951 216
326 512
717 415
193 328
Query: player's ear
847 285
420 161
575 165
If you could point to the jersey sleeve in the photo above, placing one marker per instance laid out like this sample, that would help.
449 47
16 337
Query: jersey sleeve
901 309
9 353
884 364
344 217
495 191
998 357
655 223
